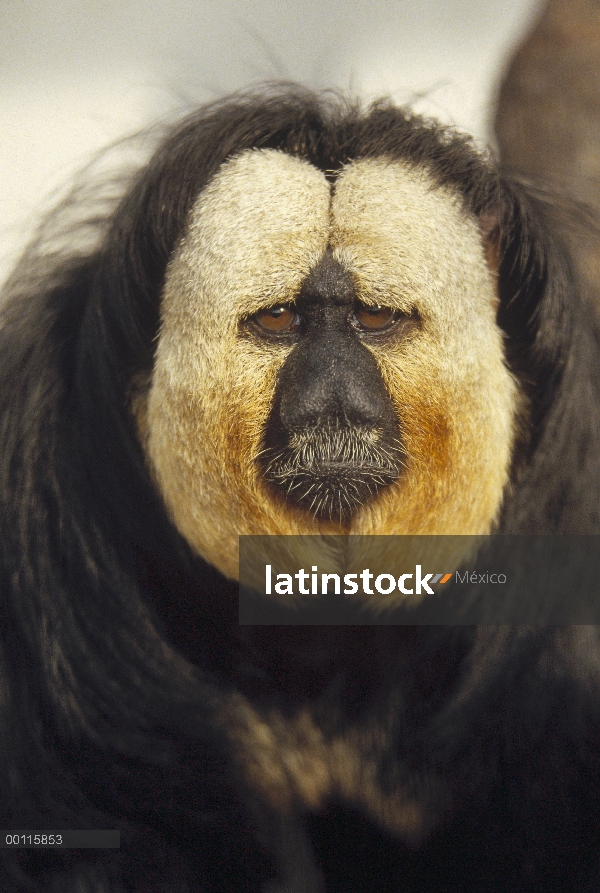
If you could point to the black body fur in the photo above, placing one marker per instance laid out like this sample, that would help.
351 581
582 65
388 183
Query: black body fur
120 650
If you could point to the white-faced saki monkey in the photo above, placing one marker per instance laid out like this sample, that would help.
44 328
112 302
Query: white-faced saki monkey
300 317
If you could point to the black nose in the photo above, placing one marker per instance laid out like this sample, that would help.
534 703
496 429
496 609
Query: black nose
332 378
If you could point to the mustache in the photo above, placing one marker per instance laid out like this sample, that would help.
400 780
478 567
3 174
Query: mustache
333 470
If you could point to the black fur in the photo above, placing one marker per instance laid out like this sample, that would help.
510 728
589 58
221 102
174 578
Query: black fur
121 652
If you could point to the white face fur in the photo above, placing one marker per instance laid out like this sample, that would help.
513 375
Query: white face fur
255 233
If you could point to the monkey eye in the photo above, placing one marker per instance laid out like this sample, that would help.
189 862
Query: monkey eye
373 317
277 320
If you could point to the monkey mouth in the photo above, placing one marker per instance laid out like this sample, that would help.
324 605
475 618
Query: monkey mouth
332 472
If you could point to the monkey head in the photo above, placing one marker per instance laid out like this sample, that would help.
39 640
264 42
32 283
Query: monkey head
329 359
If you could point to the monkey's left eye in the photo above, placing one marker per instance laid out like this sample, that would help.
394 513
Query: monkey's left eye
373 317
277 320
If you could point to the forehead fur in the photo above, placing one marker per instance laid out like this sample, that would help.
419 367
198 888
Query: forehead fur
402 235
411 245
255 232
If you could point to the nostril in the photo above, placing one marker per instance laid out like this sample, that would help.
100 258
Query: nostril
359 405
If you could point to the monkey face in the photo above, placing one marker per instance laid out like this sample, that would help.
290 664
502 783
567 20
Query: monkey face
328 360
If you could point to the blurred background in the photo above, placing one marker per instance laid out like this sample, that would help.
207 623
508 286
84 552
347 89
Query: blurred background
76 75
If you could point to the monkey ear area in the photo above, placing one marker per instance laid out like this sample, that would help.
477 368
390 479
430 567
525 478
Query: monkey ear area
490 224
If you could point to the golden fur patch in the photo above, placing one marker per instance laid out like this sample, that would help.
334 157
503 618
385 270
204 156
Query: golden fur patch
294 767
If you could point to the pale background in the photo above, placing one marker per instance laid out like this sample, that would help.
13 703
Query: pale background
76 75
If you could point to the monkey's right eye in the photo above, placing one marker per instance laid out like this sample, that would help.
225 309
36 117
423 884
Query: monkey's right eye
277 320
